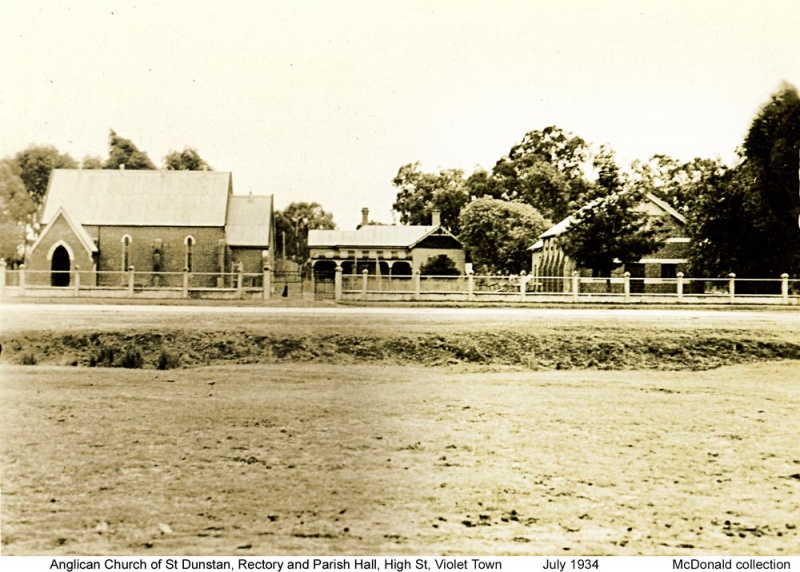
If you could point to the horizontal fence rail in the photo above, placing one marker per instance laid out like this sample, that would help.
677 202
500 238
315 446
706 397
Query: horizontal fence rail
134 283
625 289
393 288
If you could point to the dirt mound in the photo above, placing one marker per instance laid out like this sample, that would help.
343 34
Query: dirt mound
611 348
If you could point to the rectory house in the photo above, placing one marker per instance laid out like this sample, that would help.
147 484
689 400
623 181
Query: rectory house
384 250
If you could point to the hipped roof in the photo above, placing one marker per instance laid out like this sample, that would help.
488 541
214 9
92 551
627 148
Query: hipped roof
370 236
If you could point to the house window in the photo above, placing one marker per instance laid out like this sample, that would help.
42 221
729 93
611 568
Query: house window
669 270
188 246
126 252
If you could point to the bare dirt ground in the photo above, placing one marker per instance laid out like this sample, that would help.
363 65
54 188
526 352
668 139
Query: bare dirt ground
365 459
399 431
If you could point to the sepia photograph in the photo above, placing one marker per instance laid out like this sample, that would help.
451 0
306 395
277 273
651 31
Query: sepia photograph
362 282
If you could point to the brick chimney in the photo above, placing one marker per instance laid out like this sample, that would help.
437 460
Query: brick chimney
436 218
364 216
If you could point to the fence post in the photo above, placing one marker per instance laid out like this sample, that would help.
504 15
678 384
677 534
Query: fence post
416 284
185 282
2 277
266 282
523 285
680 286
626 286
470 286
337 284
131 272
364 283
732 286
785 288
575 285
239 280
76 281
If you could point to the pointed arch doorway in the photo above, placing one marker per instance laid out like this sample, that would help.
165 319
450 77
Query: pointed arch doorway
60 267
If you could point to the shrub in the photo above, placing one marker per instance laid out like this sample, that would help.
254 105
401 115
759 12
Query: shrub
105 358
28 359
167 360
132 358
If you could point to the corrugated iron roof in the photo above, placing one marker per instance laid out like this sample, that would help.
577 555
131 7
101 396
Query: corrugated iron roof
248 221
369 236
139 198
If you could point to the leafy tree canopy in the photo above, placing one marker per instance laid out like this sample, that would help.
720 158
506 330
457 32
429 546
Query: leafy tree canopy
35 165
123 151
746 220
292 225
498 234
609 231
187 160
421 193
92 162
546 170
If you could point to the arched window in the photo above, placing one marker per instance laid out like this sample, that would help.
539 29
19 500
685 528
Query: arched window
126 252
188 245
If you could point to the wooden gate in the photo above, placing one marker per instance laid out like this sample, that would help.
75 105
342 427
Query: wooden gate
288 283
324 285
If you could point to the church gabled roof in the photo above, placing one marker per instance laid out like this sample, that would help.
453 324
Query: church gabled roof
86 241
139 198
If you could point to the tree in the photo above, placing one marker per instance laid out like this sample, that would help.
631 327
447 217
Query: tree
292 226
187 160
498 234
772 152
122 151
673 181
745 220
546 170
17 212
422 193
91 162
36 163
609 231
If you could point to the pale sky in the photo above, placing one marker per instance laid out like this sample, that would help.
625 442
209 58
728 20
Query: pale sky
324 101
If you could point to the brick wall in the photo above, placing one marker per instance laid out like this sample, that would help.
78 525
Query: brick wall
173 253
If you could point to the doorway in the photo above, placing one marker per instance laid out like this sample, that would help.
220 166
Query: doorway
60 268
